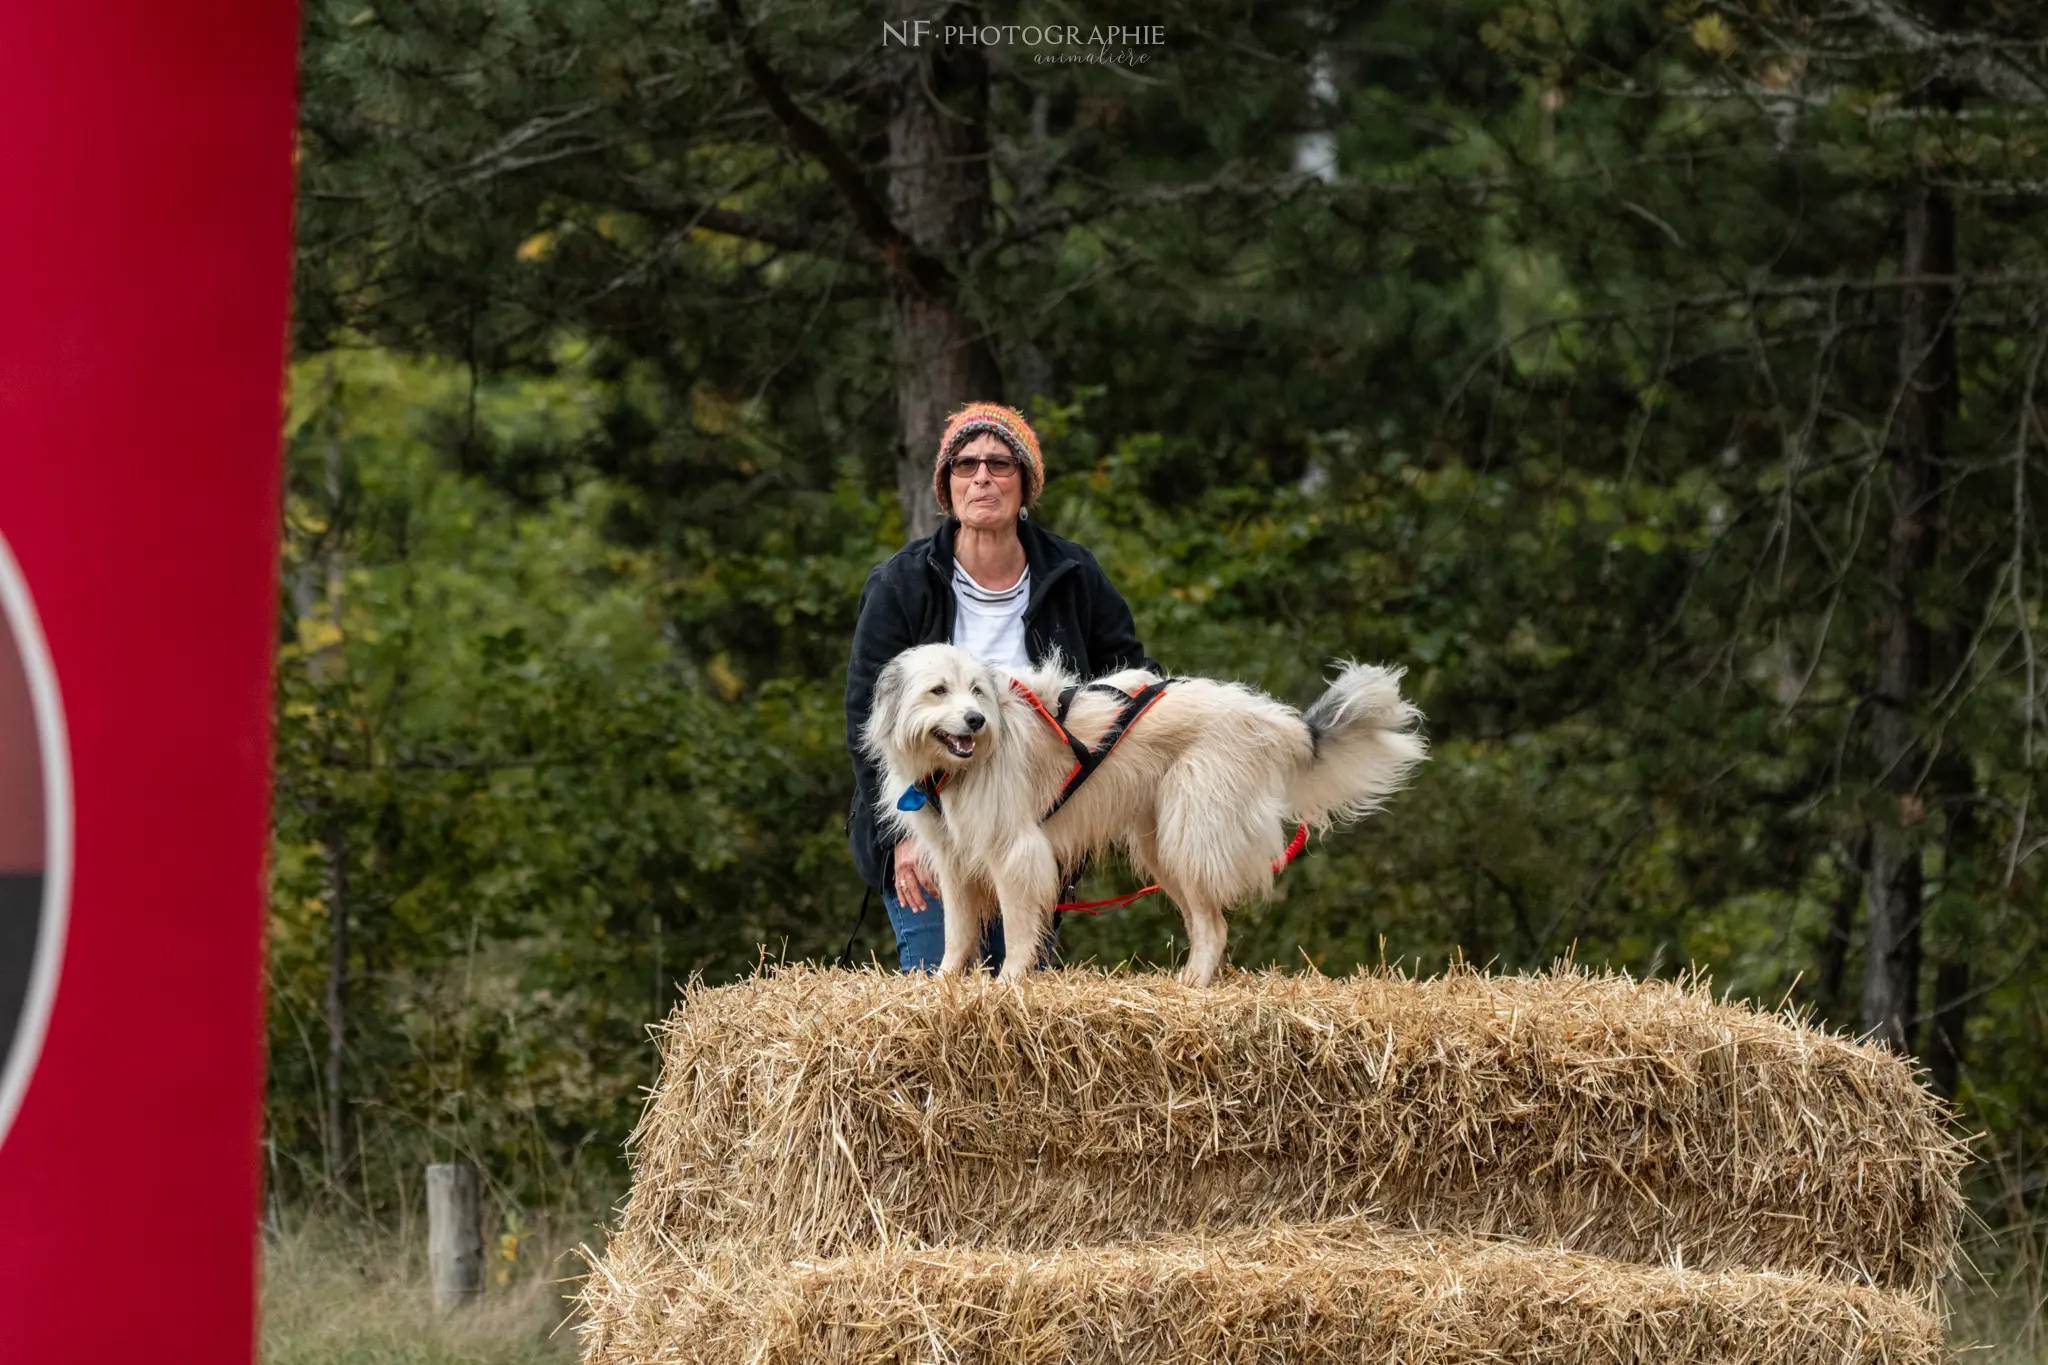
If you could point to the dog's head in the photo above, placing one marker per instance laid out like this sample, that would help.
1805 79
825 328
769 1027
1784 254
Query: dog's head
936 709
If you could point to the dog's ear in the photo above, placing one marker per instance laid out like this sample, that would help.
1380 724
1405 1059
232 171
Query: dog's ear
885 705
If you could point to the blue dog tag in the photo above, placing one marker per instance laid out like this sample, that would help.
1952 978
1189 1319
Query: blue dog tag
912 799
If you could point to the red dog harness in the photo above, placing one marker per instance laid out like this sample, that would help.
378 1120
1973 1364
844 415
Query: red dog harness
1087 760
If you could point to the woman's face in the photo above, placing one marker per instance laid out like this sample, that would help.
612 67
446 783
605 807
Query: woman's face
984 501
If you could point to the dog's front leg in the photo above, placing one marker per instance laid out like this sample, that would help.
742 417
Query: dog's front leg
1027 887
1207 934
966 909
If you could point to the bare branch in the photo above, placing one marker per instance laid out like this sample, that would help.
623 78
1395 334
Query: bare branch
1222 186
1991 70
1720 298
2018 565
897 253
505 155
787 234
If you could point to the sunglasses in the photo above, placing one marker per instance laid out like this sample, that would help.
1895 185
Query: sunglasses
998 466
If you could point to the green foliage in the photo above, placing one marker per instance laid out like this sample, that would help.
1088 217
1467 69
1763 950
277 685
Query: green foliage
1571 391
544 808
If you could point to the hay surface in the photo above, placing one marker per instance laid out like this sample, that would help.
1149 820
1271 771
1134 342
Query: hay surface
817 1113
1343 1293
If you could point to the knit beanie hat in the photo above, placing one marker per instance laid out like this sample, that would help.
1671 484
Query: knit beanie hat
1008 426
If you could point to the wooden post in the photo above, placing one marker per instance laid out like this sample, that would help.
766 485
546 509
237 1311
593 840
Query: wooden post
455 1240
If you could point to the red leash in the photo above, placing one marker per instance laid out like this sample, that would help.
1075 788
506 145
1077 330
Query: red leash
1294 848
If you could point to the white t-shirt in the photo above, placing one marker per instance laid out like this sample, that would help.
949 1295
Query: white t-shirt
990 625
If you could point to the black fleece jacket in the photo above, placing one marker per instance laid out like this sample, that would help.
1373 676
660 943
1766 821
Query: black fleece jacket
908 601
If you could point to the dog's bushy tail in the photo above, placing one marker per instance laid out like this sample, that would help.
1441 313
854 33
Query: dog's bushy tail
1365 745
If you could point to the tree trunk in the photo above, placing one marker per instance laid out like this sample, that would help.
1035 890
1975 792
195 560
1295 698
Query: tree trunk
1834 954
316 587
334 845
1945 1031
1926 397
1950 1009
939 199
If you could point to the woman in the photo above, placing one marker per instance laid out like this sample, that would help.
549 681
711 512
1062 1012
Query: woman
992 581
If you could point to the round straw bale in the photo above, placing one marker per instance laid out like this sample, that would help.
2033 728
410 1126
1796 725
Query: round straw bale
1334 1293
821 1113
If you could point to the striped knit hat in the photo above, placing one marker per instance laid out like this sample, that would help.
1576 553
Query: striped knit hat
1007 425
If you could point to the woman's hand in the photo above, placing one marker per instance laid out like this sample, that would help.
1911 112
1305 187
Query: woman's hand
914 879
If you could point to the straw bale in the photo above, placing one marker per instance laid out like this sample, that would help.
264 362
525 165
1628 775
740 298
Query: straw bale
1343 1293
816 1113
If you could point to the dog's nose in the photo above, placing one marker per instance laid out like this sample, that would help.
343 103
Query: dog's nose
975 720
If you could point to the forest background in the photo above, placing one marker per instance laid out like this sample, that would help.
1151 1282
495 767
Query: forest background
1656 381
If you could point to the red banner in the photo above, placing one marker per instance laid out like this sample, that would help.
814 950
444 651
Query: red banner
144 268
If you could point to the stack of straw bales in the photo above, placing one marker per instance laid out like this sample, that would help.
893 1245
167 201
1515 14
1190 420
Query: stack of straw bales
857 1167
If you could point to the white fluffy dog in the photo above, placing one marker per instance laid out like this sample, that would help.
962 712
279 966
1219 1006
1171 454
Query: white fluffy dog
1201 792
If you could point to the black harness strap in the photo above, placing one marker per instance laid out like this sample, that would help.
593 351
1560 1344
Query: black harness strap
925 791
1059 714
1087 760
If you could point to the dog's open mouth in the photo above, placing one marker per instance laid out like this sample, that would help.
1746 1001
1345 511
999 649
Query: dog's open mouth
960 746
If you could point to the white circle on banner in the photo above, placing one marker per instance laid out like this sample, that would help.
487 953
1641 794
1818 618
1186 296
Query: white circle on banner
35 837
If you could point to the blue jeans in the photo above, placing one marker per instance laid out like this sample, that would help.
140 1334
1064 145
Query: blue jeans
921 936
